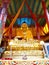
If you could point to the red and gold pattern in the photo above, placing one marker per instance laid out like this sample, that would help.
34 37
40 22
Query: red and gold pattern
14 62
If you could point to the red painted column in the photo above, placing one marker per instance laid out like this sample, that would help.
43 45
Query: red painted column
45 12
6 3
34 17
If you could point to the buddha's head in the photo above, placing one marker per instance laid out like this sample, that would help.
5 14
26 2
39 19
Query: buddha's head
24 26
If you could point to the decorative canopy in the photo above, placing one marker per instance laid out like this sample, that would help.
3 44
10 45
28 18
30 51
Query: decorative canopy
38 10
35 5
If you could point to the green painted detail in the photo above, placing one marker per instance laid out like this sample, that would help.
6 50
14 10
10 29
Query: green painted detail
33 5
38 6
10 9
42 22
7 22
12 6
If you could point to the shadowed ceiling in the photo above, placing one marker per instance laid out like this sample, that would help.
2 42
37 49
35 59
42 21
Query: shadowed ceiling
35 5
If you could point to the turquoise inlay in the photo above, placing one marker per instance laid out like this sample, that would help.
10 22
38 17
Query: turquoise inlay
28 21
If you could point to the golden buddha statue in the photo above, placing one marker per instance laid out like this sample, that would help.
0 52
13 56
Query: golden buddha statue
24 32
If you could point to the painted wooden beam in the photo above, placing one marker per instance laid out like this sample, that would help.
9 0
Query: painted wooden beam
45 12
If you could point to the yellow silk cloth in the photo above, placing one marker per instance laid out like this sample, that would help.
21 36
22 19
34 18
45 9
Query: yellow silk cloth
26 35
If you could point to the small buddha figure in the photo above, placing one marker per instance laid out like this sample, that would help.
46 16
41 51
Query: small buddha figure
25 32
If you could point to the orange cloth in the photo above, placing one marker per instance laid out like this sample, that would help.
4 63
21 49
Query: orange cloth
26 35
19 33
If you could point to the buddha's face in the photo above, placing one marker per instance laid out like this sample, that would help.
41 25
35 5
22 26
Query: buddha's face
24 27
